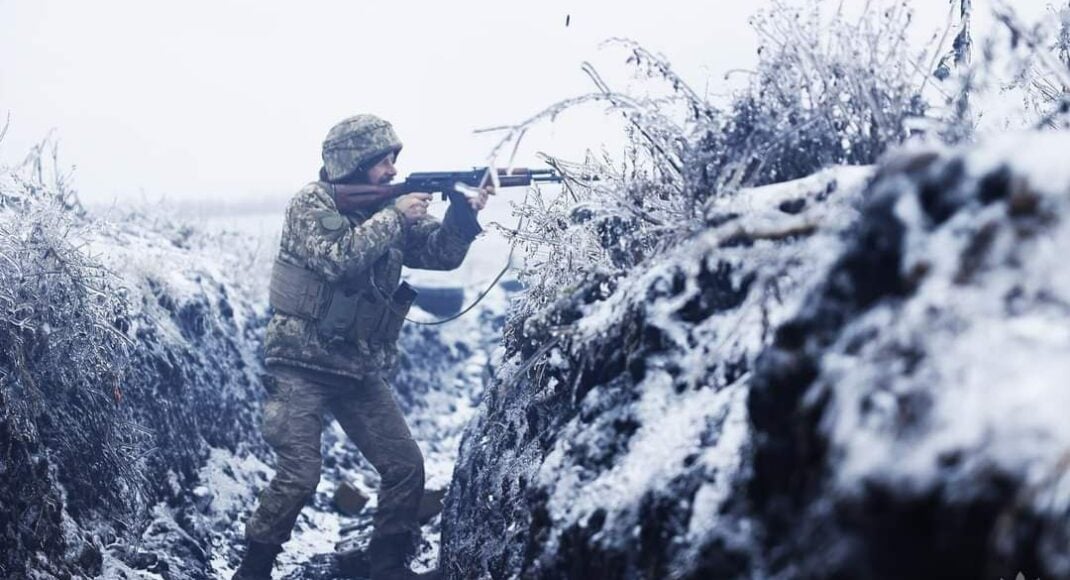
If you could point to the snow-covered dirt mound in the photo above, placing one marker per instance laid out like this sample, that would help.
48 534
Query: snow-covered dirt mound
614 441
912 417
129 353
860 374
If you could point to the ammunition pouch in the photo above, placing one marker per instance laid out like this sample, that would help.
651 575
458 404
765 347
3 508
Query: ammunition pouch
342 313
361 314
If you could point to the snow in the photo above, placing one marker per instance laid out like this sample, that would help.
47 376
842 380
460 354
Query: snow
228 481
722 460
996 344
683 427
671 424
115 569
1038 157
934 389
946 392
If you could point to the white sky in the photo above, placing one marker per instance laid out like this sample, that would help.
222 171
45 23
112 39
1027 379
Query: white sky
213 99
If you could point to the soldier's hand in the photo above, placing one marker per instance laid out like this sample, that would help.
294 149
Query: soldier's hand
478 202
413 205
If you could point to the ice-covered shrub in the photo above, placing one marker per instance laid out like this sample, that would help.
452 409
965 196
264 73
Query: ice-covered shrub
828 90
1018 78
62 324
127 352
1037 60
620 367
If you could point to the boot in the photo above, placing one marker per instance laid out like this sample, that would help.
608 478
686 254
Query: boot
389 556
258 561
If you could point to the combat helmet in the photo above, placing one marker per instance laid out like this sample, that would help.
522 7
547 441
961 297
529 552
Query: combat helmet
353 143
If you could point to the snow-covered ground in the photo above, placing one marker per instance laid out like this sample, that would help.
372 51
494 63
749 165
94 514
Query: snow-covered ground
927 374
620 451
857 374
141 361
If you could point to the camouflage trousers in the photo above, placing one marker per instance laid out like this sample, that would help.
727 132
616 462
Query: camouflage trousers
367 411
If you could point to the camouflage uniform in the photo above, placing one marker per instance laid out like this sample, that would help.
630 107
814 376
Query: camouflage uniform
350 263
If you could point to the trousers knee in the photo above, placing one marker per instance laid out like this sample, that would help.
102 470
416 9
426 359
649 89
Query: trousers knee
405 464
307 483
302 478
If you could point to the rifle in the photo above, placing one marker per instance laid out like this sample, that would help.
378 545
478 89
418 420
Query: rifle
350 198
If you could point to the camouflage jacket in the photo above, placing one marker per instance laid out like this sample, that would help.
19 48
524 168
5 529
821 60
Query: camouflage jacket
348 252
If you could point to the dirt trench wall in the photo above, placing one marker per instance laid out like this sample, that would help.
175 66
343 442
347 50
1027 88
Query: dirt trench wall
619 447
127 366
883 397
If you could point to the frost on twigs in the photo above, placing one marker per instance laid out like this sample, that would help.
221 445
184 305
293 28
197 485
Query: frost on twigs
127 350
616 440
1017 76
828 90
1028 63
611 214
849 374
62 326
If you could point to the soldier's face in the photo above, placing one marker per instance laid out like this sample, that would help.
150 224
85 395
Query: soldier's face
383 172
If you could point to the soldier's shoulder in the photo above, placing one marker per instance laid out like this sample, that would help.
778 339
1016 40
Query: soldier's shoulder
314 195
315 189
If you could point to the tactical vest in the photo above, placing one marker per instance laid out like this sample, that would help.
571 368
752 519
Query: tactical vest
353 310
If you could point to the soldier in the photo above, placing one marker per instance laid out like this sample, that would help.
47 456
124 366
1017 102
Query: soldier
338 309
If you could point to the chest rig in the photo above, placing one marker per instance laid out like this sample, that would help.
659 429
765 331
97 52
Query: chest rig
367 307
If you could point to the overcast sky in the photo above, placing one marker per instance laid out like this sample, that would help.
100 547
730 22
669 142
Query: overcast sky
231 98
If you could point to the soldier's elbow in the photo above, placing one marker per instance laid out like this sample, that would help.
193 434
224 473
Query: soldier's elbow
447 262
454 263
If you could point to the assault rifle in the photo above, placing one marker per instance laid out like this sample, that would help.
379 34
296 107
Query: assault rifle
350 198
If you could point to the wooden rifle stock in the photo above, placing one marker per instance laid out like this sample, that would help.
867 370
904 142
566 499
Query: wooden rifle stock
364 198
